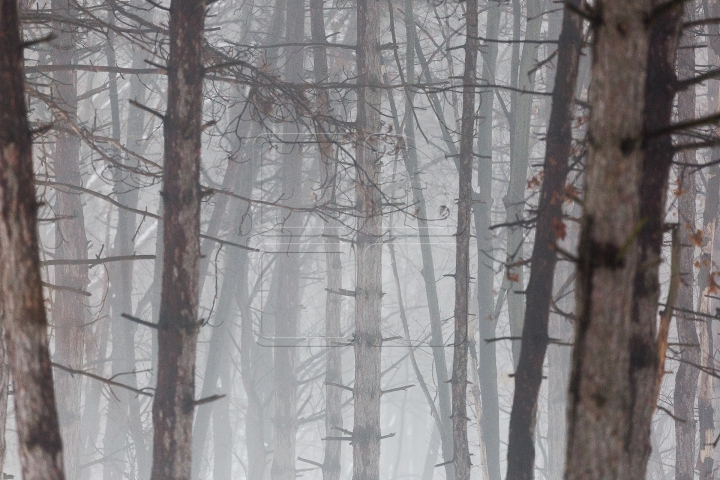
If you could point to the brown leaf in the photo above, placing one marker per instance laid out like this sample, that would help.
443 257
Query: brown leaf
697 238
712 286
559 228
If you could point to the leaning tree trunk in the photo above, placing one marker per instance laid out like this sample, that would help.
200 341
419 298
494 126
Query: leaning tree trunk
178 325
459 381
368 286
69 310
23 306
550 228
601 397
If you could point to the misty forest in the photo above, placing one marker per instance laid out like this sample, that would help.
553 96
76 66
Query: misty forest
359 239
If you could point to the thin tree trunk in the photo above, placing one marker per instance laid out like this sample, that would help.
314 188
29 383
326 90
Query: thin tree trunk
40 444
410 159
125 187
686 379
601 395
550 228
332 468
520 147
178 325
482 211
461 455
368 286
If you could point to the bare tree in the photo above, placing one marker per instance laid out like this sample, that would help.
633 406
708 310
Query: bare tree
601 395
550 227
368 286
461 451
23 304
178 326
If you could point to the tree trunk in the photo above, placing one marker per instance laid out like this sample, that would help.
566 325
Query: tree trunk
286 318
69 310
332 468
461 455
178 325
601 394
550 228
40 444
686 379
520 154
482 212
368 286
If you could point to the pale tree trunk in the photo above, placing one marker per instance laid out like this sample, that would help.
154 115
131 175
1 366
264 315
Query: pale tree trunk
367 343
218 361
332 468
550 228
487 359
705 391
520 154
40 444
125 414
255 361
459 381
706 422
69 310
410 159
686 379
600 404
286 317
178 326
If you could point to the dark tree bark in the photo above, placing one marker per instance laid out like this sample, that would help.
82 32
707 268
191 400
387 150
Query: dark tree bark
657 158
368 286
40 444
539 294
178 324
69 310
461 455
601 393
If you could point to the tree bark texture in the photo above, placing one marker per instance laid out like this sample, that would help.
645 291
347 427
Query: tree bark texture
40 444
459 381
368 286
686 378
332 468
601 398
657 158
178 325
550 226
69 310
